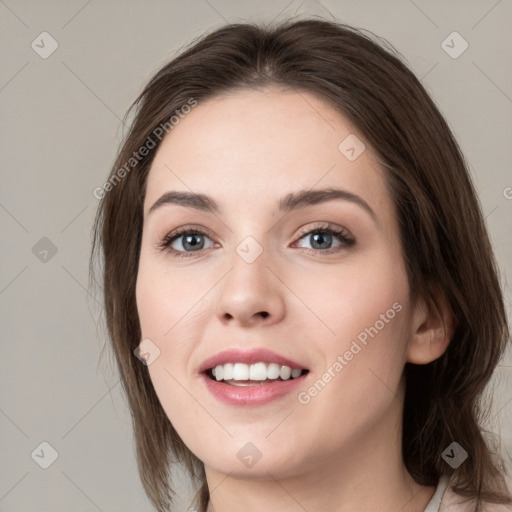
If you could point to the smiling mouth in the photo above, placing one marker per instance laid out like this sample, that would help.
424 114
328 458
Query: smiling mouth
257 374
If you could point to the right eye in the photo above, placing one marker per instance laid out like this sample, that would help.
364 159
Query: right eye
190 240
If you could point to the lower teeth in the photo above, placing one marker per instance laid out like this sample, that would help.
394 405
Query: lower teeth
251 382
233 382
238 383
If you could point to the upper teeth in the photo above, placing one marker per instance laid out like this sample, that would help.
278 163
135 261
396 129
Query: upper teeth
256 371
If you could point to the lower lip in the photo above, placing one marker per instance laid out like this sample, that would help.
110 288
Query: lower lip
251 395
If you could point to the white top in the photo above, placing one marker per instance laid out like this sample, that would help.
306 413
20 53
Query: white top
434 505
445 499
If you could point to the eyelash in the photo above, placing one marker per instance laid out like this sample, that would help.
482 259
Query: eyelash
329 229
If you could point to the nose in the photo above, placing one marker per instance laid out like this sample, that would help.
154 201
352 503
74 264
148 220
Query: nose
250 294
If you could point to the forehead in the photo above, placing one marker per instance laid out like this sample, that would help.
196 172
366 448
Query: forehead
260 144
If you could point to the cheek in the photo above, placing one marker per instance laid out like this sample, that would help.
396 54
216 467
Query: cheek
367 308
173 312
355 299
165 316
164 301
363 317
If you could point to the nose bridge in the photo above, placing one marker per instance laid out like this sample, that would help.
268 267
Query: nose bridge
249 273
249 288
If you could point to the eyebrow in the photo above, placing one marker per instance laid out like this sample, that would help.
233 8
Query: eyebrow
288 203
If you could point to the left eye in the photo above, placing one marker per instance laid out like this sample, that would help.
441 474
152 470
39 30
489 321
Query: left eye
324 237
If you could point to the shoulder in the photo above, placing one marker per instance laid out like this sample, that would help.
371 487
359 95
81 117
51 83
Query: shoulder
453 502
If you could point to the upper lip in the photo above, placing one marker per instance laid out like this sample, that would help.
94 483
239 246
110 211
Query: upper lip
249 357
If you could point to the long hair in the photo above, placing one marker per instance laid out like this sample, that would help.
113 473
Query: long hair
444 241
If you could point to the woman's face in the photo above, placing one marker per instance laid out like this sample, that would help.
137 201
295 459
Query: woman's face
267 284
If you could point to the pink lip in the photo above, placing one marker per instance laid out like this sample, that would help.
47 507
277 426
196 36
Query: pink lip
258 394
248 357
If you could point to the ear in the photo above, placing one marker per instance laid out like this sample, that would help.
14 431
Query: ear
433 325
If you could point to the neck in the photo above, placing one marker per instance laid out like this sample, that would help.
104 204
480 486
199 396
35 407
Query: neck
367 474
385 489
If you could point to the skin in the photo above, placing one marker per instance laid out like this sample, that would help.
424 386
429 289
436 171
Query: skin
341 451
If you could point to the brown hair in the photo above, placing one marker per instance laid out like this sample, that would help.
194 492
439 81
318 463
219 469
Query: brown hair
445 245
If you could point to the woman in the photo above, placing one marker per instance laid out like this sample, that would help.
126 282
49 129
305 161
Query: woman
299 287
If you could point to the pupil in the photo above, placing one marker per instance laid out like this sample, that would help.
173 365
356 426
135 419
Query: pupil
322 236
192 244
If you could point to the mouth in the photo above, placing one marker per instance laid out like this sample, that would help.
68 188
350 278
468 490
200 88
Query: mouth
256 374
249 378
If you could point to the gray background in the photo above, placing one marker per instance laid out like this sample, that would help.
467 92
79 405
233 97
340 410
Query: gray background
60 130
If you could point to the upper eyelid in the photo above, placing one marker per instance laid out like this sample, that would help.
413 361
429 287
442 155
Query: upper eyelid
193 228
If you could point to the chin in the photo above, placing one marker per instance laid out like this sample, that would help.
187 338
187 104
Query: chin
256 459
